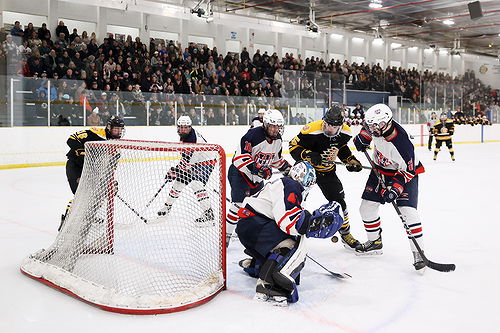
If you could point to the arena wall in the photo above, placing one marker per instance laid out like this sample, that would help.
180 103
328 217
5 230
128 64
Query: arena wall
46 146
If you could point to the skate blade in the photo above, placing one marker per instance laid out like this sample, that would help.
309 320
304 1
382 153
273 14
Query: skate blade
347 247
158 220
370 253
273 300
204 224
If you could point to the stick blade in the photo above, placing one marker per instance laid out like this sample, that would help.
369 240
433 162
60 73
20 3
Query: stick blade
440 267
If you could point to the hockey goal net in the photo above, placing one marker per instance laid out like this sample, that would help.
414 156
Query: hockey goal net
116 252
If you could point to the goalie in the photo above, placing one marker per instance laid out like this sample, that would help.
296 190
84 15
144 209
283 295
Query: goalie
273 227
194 168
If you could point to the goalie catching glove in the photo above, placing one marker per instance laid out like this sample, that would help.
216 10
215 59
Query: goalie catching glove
323 223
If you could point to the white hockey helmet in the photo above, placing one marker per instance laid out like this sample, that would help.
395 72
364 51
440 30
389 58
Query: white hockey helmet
184 121
304 173
184 126
261 112
275 118
443 116
378 119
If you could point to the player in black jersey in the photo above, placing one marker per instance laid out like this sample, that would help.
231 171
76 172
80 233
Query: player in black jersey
320 143
443 131
115 129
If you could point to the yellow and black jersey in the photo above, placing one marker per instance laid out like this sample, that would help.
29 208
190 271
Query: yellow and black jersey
444 131
77 141
312 138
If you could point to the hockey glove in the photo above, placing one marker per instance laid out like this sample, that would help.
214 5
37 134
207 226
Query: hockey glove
362 140
392 192
313 157
285 168
325 221
172 174
352 164
263 171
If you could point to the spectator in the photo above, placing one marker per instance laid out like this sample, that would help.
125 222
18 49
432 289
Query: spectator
61 28
44 33
94 119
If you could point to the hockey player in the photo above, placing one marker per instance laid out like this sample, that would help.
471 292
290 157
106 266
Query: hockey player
273 227
194 168
320 143
115 129
259 151
430 128
395 159
443 130
258 121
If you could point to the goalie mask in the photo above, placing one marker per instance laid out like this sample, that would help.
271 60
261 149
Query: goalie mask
115 128
333 121
378 119
184 126
304 173
274 124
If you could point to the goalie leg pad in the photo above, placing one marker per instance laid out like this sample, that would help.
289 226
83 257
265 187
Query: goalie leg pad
282 267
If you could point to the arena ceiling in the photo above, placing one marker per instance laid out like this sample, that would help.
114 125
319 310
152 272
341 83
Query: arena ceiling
418 20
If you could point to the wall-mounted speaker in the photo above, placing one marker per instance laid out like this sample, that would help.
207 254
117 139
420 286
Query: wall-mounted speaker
475 10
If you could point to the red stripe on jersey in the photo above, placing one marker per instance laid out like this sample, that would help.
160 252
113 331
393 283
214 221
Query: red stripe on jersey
244 164
290 212
232 217
242 156
292 224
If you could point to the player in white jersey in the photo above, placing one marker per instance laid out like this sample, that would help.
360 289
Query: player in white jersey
395 159
258 152
258 121
273 227
194 168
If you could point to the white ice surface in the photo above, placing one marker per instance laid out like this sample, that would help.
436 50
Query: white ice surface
459 206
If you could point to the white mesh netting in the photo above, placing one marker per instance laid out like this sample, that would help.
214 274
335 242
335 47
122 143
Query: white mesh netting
115 251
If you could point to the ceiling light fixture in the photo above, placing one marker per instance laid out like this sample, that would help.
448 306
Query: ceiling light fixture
448 22
375 4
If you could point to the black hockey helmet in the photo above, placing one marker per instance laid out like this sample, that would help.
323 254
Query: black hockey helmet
115 121
334 116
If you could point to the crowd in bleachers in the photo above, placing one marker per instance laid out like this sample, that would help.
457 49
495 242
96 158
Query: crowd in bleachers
126 73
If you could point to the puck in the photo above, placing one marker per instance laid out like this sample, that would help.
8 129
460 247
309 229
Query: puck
335 239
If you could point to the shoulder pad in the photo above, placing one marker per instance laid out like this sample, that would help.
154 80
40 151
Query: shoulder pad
315 127
98 131
346 130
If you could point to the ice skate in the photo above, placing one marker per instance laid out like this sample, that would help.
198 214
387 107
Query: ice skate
370 248
349 241
266 293
206 220
165 210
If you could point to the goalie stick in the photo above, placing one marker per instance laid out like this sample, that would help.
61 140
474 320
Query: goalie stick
334 274
433 265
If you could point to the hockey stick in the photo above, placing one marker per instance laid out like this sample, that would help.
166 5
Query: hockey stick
433 265
363 166
132 209
158 192
334 274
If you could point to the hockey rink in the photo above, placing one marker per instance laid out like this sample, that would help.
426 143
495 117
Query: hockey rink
459 206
